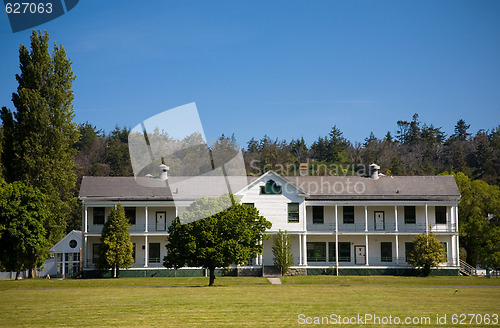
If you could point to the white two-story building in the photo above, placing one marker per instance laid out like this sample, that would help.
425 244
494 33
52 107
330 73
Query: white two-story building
337 224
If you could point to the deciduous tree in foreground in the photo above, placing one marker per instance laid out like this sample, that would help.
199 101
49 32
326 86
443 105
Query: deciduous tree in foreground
229 237
427 253
23 213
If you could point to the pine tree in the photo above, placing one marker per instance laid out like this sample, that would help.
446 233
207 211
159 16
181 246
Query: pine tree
39 136
116 249
282 251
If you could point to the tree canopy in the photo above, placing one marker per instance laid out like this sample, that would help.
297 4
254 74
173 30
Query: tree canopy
23 214
479 221
230 236
116 249
39 136
427 253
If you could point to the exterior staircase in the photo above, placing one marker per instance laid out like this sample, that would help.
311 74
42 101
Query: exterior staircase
467 269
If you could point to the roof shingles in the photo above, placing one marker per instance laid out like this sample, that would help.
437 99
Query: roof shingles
317 188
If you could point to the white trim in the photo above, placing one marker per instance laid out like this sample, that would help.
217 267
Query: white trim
301 261
76 233
396 218
304 251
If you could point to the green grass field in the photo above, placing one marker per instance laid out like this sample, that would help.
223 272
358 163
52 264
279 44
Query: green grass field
243 302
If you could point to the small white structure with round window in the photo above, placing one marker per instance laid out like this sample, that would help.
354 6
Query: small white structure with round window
67 254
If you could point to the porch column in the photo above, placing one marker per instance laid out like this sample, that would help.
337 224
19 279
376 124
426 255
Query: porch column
84 250
337 253
327 252
366 249
146 219
259 256
63 265
366 218
453 251
146 251
336 241
304 216
336 220
304 249
397 249
457 240
449 218
85 219
426 220
300 250
396 217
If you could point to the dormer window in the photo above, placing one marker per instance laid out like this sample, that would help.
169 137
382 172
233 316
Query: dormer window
270 188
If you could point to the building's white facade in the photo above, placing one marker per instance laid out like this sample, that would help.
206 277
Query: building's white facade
330 227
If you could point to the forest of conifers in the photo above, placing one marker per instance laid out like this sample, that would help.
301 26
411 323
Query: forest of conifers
414 148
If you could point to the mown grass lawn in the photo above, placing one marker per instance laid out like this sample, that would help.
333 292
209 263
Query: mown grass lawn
239 302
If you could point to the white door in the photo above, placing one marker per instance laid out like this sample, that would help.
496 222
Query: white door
379 221
161 224
360 254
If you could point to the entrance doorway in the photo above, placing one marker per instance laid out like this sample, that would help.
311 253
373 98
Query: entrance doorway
360 254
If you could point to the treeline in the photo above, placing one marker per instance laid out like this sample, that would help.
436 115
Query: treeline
415 149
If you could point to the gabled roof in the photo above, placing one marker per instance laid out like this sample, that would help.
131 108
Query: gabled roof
62 245
276 176
313 187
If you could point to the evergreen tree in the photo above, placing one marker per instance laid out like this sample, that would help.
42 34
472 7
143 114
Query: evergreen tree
337 145
282 251
117 153
116 249
40 134
461 131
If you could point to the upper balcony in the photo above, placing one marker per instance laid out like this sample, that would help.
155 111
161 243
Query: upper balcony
381 219
150 219
134 228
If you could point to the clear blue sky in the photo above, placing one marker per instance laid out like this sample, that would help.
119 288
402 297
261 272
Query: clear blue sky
283 68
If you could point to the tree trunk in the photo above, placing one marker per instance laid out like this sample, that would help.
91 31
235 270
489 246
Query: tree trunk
212 276
17 275
117 272
32 273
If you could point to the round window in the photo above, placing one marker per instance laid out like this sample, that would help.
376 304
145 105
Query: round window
72 243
